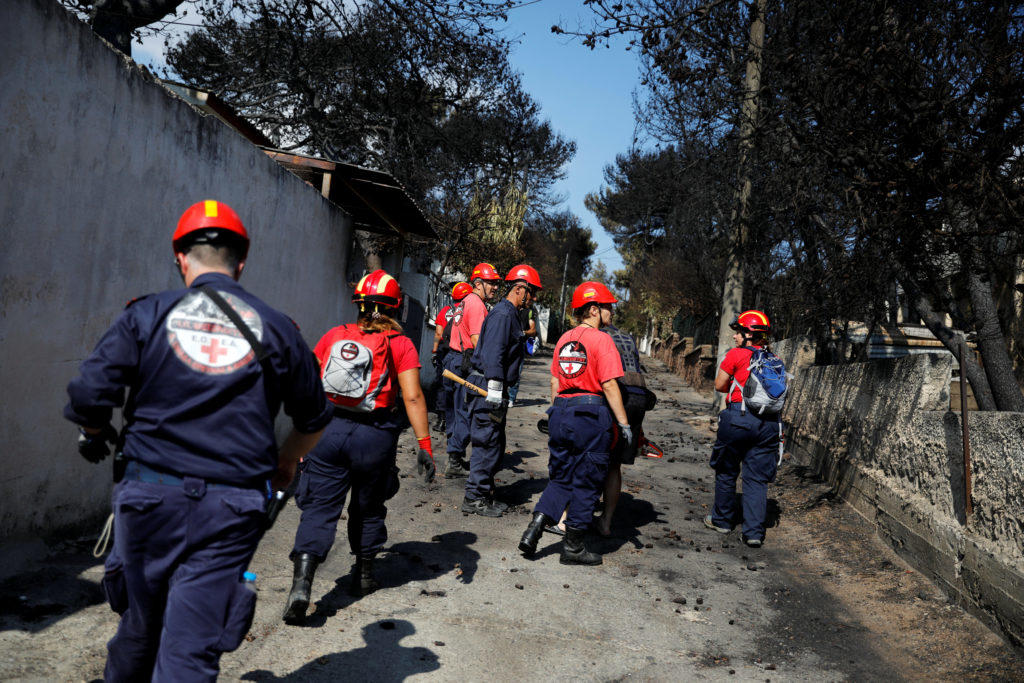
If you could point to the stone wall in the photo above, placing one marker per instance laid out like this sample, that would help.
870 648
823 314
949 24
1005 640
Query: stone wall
882 434
692 363
99 161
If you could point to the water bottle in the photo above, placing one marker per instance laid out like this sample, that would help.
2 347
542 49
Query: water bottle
249 579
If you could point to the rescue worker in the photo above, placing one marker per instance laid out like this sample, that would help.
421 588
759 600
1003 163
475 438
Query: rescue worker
363 367
497 362
528 319
200 449
467 319
442 345
586 406
637 399
745 440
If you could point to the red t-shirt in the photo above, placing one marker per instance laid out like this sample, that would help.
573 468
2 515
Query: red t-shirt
584 359
467 318
443 317
737 364
403 356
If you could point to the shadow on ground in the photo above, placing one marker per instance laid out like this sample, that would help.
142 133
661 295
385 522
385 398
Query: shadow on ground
33 601
401 564
631 515
383 658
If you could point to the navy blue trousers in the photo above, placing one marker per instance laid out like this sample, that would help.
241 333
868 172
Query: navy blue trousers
488 438
356 455
443 395
751 444
579 438
457 420
182 551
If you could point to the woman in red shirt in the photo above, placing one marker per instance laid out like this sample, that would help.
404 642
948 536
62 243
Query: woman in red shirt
745 439
363 366
586 405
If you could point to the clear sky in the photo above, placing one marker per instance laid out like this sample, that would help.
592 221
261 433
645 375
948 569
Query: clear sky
586 94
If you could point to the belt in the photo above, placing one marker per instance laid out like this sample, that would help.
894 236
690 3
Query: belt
581 400
138 471
738 408
366 417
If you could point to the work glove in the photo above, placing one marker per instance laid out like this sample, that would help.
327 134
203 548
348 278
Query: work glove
494 392
628 440
95 447
425 465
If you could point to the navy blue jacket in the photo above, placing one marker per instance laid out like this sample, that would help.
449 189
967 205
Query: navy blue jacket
197 403
501 348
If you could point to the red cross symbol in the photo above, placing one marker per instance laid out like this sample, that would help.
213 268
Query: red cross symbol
213 350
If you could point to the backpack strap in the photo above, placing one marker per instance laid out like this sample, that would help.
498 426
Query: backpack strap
262 355
736 385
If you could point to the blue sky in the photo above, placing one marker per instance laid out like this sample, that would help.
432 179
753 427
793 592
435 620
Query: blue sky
586 94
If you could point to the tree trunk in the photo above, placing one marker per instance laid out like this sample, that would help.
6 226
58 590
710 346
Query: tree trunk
732 291
954 342
991 341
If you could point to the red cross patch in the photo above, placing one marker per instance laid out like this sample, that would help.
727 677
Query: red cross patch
203 337
572 359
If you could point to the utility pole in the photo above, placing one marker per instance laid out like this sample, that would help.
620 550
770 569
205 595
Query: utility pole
561 297
732 292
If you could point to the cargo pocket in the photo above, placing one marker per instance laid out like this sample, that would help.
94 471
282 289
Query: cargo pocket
719 456
241 609
393 483
113 583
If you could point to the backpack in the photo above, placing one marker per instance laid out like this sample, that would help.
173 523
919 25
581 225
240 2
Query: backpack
356 368
765 388
632 371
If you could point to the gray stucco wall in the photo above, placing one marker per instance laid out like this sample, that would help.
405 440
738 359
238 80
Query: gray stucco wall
882 434
98 163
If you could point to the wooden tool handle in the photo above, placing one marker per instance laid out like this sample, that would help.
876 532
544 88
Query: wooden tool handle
448 374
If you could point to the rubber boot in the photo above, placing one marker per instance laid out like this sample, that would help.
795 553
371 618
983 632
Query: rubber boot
528 543
574 550
363 582
302 584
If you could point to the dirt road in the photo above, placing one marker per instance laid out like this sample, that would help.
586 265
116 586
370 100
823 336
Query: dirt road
823 600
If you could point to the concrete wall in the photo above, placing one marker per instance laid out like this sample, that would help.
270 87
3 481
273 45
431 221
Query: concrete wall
882 434
98 163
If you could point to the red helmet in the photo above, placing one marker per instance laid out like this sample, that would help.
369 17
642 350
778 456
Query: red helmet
461 290
592 293
752 321
527 274
378 288
484 271
211 217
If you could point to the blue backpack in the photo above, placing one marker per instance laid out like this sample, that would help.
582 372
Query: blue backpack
765 389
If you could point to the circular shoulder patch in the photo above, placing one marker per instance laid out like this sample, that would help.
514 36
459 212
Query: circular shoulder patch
205 339
572 359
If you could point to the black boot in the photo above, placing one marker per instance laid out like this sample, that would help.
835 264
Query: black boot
363 582
528 543
574 551
302 584
456 468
